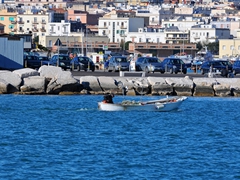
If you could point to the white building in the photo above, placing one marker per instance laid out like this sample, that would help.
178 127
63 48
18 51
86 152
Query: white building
117 24
151 12
34 23
208 33
142 36
182 24
55 29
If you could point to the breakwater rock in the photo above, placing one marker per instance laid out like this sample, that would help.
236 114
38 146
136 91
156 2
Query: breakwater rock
53 80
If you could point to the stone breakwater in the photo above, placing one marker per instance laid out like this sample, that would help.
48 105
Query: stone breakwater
53 80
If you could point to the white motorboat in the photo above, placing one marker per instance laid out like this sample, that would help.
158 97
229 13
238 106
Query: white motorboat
165 104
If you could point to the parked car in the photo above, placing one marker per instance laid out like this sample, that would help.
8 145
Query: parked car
148 64
236 67
32 61
222 66
118 63
61 60
44 60
83 63
174 65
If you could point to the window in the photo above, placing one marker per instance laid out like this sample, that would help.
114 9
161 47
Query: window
11 18
223 47
27 21
28 38
231 47
239 48
140 39
50 43
11 26
104 24
1 18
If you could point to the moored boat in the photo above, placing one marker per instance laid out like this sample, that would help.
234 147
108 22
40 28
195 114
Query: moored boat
165 104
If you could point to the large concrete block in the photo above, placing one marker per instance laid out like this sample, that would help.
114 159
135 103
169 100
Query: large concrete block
181 86
159 86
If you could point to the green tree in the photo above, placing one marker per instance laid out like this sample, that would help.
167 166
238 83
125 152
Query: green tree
199 46
36 40
213 47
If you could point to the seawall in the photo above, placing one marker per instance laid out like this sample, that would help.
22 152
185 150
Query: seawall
52 80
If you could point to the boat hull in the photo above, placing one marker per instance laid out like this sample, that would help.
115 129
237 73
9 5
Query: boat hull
152 106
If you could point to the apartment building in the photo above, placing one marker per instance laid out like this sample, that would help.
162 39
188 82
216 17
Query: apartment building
117 24
233 25
150 14
230 47
77 15
8 17
207 33
183 23
55 29
33 22
41 3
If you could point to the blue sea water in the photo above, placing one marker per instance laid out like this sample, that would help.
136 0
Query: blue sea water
66 137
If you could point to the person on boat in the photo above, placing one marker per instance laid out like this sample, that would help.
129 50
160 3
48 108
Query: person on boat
108 98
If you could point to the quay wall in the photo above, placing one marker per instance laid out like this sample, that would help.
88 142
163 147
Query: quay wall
53 80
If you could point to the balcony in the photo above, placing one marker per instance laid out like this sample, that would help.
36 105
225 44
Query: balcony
43 22
102 27
14 30
123 27
13 22
34 29
177 38
163 46
20 22
34 22
21 30
43 29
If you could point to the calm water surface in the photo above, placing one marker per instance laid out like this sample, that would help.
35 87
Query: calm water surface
66 137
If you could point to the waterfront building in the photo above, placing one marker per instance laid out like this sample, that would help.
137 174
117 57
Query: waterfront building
183 23
151 14
34 23
8 17
117 24
230 47
208 33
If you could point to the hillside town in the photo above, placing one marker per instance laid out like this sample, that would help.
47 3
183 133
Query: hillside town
159 28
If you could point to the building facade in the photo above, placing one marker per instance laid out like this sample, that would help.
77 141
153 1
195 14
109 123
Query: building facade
8 17
230 47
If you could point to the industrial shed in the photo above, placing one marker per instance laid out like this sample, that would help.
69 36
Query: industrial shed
11 52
